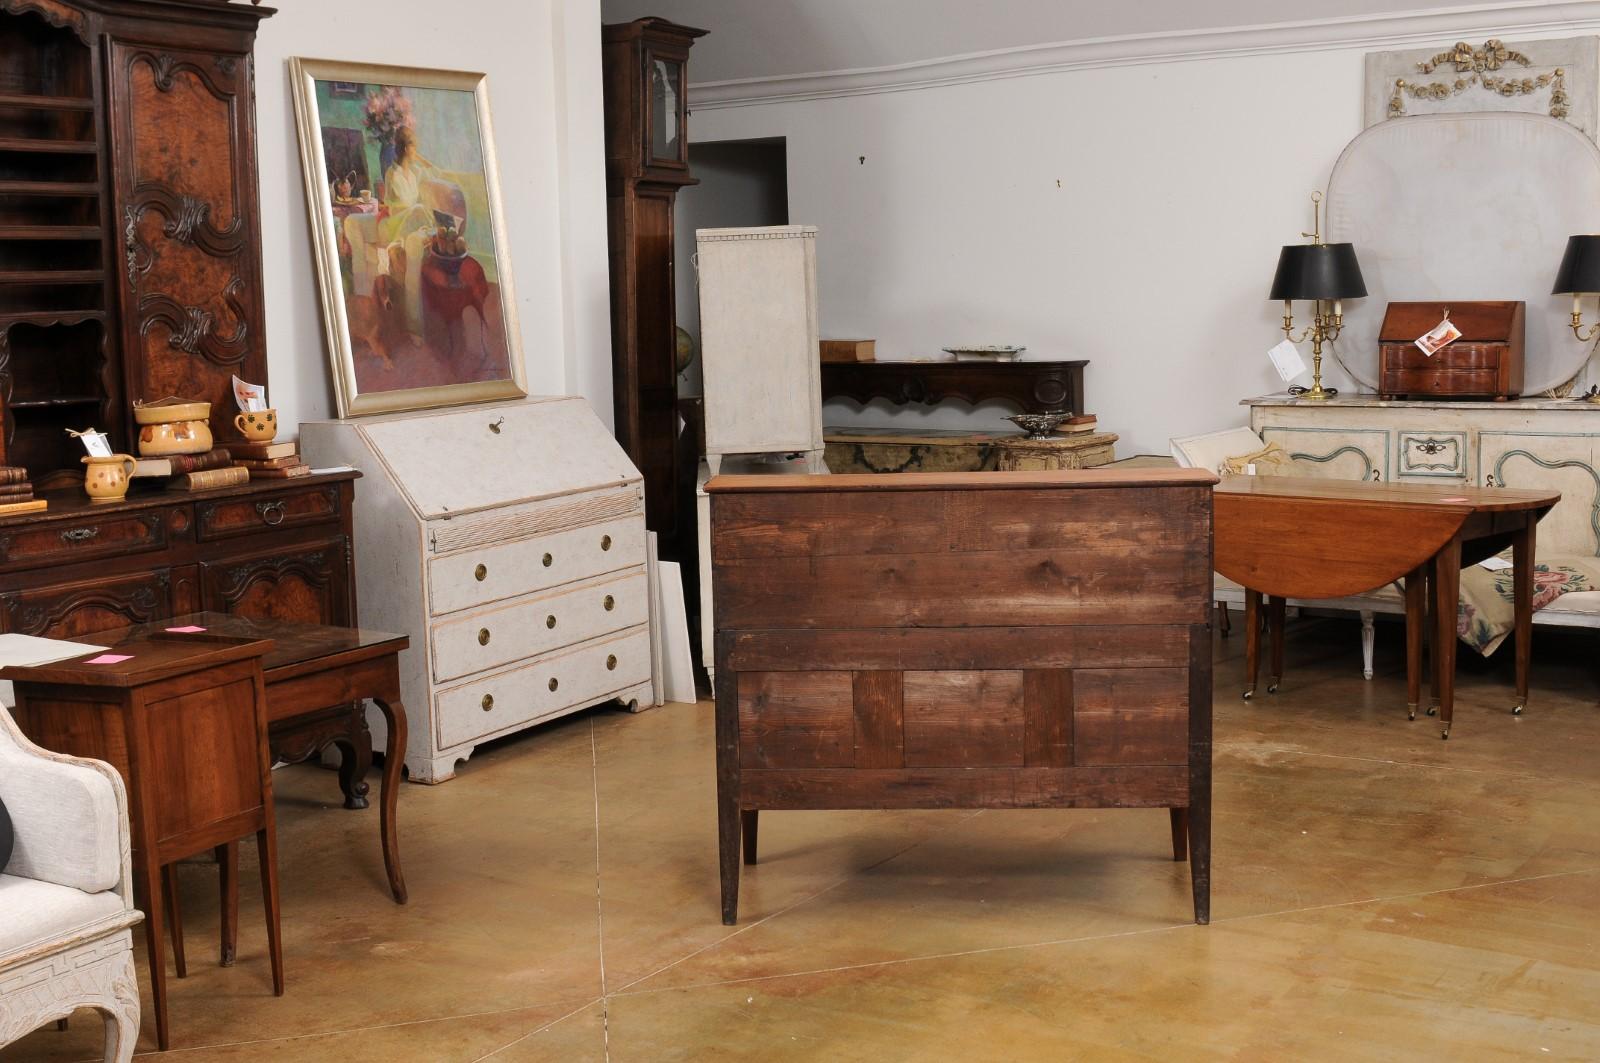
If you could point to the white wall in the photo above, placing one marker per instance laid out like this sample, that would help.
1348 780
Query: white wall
543 62
1131 215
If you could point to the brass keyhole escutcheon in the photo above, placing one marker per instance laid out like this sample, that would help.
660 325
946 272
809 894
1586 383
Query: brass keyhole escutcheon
605 542
480 573
610 603
483 636
494 426
611 663
550 621
554 684
488 702
548 560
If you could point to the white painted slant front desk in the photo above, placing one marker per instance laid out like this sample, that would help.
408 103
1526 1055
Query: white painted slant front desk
508 541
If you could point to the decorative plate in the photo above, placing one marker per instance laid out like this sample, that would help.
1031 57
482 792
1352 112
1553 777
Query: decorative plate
985 353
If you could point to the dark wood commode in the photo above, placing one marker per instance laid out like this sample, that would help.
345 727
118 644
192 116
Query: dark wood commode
963 640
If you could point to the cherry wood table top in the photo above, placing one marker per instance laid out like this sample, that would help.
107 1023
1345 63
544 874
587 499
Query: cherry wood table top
1312 488
150 658
292 645
973 481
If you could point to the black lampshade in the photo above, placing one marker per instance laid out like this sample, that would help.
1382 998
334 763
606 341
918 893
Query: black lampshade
1318 271
1580 266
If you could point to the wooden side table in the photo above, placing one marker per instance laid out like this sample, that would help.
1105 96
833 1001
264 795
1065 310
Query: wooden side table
183 718
1081 450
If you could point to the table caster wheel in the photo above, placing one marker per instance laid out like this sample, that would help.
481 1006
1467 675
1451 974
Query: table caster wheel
1272 687
1446 732
1411 712
1248 694
1516 710
1433 710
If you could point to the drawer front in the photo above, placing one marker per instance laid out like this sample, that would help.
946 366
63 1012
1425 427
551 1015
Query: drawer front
565 679
1433 455
1442 382
491 574
288 509
1457 356
73 609
505 634
83 540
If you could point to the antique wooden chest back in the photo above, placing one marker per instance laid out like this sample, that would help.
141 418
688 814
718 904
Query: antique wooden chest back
966 640
1486 362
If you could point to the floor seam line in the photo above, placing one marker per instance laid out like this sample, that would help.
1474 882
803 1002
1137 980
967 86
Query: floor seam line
599 901
541 1029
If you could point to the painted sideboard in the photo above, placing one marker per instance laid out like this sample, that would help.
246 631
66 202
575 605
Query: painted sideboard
1521 443
508 541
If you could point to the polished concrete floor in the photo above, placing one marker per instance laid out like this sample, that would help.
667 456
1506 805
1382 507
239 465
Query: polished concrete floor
1379 895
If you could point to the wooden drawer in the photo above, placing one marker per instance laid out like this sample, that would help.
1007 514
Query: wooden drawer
64 543
490 574
72 609
1457 356
288 509
566 679
1441 382
528 627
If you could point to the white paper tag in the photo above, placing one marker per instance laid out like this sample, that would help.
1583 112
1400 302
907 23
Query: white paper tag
252 398
1496 564
1287 361
1440 336
94 442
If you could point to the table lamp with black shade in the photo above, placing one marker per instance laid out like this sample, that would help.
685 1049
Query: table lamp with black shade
1325 274
1578 276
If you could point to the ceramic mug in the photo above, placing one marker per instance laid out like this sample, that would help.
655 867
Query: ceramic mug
106 479
258 426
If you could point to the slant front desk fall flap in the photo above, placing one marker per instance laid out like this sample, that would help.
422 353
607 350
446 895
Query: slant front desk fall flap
968 640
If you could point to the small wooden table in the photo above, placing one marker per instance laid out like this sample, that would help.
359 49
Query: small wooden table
1307 537
310 669
183 719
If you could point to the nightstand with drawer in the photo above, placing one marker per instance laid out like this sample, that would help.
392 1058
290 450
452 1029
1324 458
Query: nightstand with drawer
508 541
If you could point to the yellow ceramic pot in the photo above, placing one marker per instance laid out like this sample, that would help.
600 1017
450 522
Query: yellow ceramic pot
106 479
172 426
258 426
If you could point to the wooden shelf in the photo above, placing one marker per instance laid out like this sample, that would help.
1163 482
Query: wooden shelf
55 402
50 188
46 103
48 146
52 276
50 232
51 317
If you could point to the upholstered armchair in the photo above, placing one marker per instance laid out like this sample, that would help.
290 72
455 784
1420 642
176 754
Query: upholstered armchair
66 900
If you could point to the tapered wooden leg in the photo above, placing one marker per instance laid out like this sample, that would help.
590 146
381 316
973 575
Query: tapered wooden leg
1224 619
1416 618
1276 617
1252 641
267 848
228 877
355 760
749 819
1432 631
394 714
1180 832
729 824
149 877
1522 560
169 895
1447 598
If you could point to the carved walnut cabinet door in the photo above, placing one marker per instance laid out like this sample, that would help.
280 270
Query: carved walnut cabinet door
183 129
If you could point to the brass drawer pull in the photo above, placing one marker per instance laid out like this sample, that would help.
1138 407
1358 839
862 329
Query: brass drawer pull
79 535
611 663
483 636
271 513
548 560
554 683
480 573
550 621
610 603
494 426
487 702
605 542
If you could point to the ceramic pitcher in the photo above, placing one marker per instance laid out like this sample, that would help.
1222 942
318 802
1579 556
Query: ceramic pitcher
106 479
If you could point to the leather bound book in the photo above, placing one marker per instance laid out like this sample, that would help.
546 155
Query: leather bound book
206 479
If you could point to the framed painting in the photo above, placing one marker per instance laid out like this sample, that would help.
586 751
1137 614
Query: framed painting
409 235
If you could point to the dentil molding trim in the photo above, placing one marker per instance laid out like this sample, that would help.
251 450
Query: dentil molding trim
1510 19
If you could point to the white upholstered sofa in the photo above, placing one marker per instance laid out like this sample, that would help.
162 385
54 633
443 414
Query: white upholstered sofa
66 900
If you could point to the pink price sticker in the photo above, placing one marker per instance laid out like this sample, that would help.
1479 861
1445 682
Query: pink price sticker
110 658
187 629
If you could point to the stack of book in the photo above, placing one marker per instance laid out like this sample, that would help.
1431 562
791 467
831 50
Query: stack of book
1083 422
193 472
16 491
269 461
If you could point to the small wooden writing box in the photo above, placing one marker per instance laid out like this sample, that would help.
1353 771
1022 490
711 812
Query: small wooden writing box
1486 362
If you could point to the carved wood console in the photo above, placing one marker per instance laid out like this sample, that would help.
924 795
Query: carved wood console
1037 387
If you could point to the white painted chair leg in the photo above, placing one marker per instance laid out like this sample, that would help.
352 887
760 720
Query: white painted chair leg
1368 637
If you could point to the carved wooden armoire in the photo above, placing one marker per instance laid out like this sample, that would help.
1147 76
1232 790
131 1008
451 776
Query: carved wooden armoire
647 161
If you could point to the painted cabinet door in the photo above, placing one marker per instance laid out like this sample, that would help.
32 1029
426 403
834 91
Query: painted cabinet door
309 584
182 126
1335 453
1564 461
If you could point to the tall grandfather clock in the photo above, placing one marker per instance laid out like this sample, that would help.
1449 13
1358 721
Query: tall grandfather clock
647 161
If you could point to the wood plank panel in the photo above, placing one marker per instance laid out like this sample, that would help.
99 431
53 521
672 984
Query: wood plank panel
796 719
963 718
1168 584
1047 712
1130 715
826 525
1075 520
926 649
1079 787
880 720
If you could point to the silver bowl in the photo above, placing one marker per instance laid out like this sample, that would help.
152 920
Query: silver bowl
1038 425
